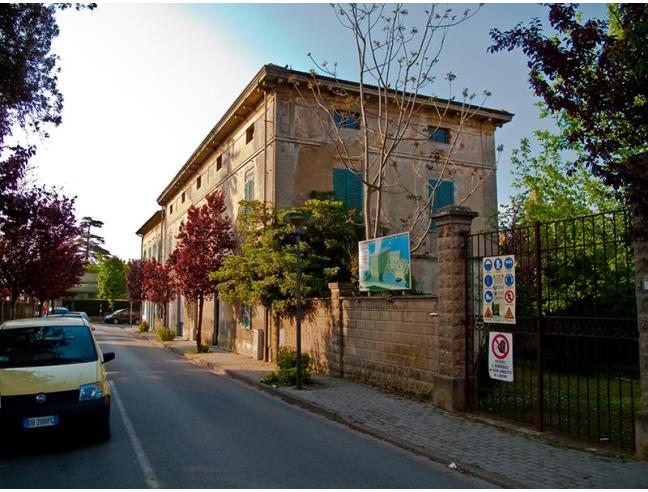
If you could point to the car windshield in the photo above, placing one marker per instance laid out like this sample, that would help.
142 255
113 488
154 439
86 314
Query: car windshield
46 345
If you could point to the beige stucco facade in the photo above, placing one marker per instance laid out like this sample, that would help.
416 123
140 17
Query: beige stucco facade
273 135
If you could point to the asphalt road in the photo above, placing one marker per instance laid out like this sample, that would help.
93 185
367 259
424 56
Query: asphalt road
178 425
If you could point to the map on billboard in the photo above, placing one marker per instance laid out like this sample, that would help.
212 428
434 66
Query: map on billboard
384 263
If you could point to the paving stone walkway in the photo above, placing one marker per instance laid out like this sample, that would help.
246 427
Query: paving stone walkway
504 457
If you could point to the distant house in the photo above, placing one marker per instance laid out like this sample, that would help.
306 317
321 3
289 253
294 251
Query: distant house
271 146
85 289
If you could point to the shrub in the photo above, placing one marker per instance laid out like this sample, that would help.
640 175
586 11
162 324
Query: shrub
143 326
165 334
287 373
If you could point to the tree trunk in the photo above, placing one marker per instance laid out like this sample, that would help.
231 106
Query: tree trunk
199 326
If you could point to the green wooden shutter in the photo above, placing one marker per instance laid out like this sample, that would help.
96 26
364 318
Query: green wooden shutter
347 187
444 196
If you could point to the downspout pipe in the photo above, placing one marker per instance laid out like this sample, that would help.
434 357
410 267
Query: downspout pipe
266 331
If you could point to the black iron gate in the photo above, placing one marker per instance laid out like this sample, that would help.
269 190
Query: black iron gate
575 341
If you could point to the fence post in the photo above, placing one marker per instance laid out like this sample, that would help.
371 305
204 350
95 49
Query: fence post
339 290
453 225
539 322
641 417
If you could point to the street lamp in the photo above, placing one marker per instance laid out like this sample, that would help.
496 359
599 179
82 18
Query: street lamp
299 220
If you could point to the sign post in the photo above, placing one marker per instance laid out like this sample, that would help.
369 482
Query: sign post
498 273
500 356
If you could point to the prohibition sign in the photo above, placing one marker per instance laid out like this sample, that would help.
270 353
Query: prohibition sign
500 346
509 296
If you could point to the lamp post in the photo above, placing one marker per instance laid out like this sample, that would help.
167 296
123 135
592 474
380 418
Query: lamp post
299 220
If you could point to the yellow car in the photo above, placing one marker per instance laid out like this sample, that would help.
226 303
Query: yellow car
52 376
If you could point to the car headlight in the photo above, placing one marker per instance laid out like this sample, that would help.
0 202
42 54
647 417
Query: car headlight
90 391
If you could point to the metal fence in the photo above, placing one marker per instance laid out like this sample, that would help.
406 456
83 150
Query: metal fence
575 341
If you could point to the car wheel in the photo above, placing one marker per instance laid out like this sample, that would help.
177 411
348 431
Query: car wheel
116 321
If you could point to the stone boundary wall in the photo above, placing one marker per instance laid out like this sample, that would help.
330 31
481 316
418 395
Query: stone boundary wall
391 343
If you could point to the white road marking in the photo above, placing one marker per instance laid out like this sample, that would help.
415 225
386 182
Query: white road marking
145 464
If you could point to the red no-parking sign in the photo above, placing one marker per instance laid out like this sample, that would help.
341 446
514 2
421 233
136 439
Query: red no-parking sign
500 356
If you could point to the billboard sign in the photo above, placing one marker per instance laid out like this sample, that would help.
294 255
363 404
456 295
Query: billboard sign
384 263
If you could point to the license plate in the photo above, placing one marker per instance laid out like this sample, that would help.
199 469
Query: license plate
34 422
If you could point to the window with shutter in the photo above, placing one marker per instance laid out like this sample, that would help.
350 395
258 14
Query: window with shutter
443 197
347 187
249 188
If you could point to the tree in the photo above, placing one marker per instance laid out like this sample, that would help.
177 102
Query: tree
595 73
263 269
29 96
37 251
547 188
395 63
205 239
111 279
158 284
135 280
92 244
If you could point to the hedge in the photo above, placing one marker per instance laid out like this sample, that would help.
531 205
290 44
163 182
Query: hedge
92 306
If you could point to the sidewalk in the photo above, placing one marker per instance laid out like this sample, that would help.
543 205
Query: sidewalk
503 457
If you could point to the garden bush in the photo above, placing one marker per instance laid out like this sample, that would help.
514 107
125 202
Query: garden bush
143 326
165 334
286 375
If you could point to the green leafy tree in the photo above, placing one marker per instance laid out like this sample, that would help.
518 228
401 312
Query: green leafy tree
263 270
595 72
548 187
111 280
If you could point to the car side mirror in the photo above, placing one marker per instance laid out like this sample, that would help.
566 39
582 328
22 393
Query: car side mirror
108 356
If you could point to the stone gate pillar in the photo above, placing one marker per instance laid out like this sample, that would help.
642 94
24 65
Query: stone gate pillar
641 418
339 290
453 225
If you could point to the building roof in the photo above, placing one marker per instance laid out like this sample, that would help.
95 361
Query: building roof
153 221
269 76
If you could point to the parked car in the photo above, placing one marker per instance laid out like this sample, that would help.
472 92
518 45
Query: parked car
122 316
78 314
57 310
52 377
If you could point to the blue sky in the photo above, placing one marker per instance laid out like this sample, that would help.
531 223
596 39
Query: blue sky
144 84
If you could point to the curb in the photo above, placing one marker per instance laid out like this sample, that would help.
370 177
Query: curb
470 470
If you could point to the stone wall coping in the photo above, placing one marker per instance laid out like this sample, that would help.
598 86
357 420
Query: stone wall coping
455 211
425 297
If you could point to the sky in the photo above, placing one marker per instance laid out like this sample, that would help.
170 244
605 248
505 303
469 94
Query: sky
144 84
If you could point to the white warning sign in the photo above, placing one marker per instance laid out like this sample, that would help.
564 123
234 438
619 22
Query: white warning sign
498 303
500 356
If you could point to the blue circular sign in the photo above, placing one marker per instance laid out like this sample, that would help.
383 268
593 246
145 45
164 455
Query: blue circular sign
498 264
488 296
488 264
508 280
488 280
508 263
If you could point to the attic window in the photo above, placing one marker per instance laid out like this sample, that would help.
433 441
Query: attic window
438 135
182 198
170 209
249 134
199 182
219 162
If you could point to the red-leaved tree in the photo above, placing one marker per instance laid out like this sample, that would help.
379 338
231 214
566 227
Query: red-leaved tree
135 280
205 239
37 252
158 284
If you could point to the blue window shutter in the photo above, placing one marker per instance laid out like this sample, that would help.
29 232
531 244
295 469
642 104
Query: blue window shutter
347 187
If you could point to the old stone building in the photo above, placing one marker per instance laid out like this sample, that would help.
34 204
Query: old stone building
272 145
